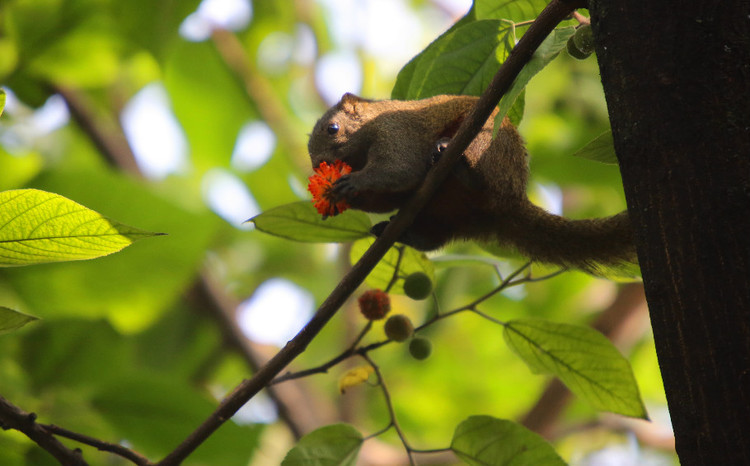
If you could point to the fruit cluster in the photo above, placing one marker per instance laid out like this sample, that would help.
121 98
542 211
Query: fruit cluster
376 304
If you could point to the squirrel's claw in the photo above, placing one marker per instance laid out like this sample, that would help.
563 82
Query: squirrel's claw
343 188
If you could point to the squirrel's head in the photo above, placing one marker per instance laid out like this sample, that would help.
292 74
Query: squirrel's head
332 137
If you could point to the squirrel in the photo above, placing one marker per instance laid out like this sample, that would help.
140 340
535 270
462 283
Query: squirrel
392 144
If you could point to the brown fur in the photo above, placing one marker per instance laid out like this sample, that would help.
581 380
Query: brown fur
390 145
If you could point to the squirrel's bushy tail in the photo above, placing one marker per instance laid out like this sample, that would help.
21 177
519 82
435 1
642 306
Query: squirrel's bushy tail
593 245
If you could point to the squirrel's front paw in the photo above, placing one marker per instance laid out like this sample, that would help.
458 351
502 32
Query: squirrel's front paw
344 188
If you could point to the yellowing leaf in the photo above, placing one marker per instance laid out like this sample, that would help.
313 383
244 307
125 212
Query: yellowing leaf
354 377
38 227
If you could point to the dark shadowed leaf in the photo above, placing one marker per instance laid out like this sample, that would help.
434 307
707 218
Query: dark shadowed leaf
601 149
11 320
155 412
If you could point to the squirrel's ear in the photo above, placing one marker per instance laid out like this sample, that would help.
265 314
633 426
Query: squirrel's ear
351 103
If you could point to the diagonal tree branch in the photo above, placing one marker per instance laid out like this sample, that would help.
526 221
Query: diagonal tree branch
555 12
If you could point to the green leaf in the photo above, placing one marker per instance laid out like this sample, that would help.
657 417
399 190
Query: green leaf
300 221
83 57
76 354
334 445
516 110
38 227
158 270
584 360
464 59
205 98
511 10
2 101
600 149
11 320
406 75
547 51
487 441
460 62
411 261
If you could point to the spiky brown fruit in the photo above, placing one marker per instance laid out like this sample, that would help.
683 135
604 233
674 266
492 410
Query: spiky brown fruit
374 304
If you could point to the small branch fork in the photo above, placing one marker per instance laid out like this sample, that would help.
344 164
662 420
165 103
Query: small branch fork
12 417
510 281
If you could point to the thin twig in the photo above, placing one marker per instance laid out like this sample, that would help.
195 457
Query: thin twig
395 276
389 406
380 432
13 417
100 445
361 335
488 317
582 20
353 350
393 281
106 135
431 450
553 14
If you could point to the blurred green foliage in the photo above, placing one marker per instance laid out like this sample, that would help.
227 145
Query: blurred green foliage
124 352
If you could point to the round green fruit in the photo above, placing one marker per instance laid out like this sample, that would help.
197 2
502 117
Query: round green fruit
584 39
420 348
418 286
574 51
398 327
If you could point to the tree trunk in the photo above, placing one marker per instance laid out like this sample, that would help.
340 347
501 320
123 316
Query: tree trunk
676 76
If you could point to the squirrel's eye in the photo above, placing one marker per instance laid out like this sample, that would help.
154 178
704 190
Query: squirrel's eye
333 128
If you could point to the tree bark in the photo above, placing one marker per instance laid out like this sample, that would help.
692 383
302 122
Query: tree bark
676 77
